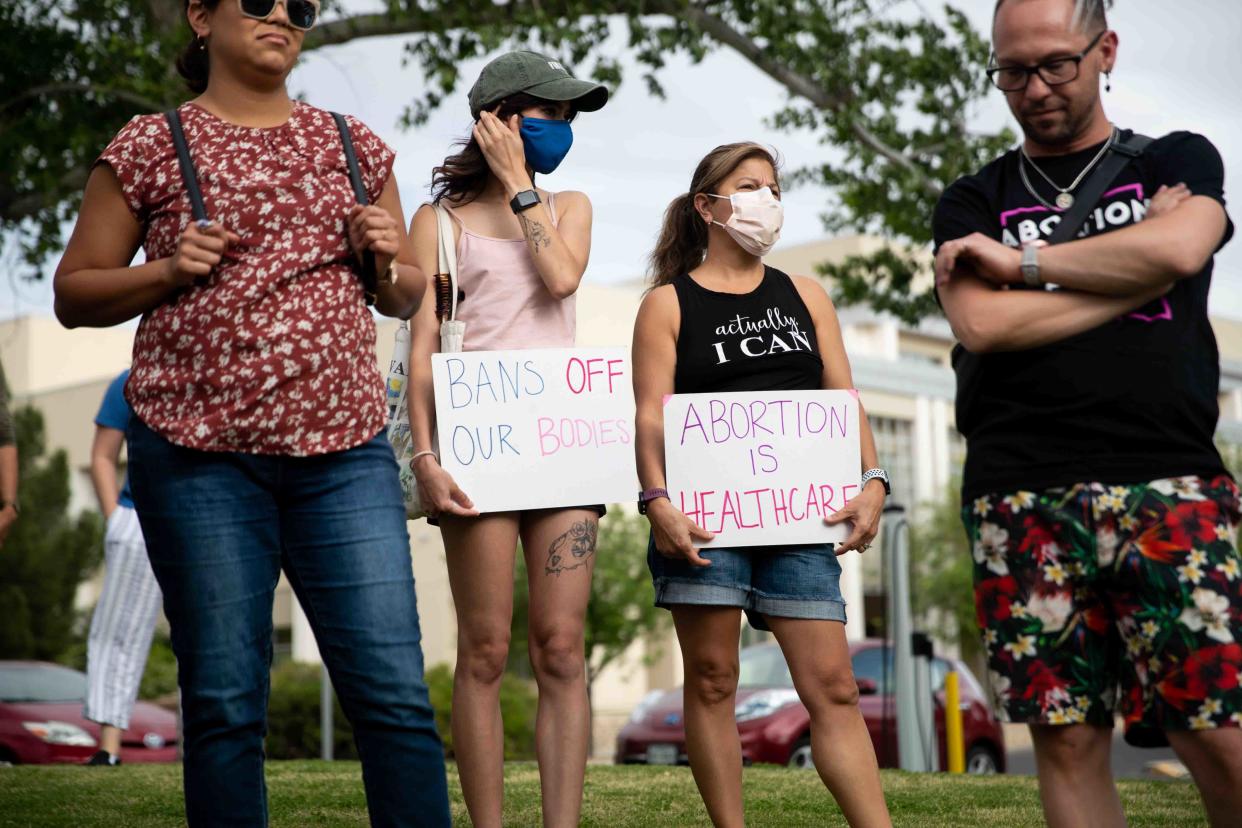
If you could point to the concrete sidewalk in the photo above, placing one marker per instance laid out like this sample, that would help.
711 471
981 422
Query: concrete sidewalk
1128 762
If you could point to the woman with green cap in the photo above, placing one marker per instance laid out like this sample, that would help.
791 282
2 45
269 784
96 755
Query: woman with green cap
521 253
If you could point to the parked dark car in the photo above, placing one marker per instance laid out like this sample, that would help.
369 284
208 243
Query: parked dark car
775 726
41 719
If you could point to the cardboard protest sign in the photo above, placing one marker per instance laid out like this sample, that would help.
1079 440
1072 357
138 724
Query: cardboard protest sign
537 429
763 468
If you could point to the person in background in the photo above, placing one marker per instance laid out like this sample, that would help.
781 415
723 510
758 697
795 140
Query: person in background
257 444
8 463
129 604
707 271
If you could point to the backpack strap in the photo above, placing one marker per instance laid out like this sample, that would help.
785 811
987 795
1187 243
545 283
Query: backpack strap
370 279
1120 153
188 176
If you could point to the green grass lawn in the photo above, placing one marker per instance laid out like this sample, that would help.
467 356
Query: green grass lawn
321 793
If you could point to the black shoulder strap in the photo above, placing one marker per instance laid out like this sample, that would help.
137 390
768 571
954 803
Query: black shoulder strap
188 176
351 158
370 279
1120 154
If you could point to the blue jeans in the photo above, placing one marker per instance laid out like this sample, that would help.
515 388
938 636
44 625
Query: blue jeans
220 527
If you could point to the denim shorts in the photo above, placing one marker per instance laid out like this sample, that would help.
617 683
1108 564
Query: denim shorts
784 581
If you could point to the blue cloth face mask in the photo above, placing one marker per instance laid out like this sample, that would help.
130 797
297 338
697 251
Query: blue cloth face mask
547 142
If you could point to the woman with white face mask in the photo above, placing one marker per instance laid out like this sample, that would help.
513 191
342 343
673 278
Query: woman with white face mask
717 319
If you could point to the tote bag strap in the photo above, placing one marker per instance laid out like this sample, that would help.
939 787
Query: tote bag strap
448 256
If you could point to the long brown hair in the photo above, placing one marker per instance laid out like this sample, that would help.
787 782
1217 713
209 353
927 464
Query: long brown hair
683 237
463 176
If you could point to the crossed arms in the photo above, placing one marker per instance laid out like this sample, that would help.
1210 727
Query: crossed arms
1102 277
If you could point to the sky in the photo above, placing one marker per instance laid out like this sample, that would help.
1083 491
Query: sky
1177 69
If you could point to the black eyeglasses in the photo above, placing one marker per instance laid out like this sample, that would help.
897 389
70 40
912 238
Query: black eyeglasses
302 14
1053 72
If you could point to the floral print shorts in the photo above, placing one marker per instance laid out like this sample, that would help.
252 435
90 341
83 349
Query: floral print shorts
1091 591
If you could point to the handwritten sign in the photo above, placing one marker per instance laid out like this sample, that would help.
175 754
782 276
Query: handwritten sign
537 429
763 468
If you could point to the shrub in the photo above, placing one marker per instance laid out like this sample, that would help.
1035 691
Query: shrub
293 714
517 709
159 680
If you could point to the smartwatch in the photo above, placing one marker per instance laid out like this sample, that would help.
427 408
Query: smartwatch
524 200
648 495
876 474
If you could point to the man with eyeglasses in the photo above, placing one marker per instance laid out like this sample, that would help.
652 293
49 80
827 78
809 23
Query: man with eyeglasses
1101 517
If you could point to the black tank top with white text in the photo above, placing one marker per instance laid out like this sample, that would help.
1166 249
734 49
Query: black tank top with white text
758 341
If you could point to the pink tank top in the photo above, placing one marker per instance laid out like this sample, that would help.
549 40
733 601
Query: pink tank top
506 305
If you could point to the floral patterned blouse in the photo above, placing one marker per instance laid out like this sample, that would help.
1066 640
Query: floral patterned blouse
275 354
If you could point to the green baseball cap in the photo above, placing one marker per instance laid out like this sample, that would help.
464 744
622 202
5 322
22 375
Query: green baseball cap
537 75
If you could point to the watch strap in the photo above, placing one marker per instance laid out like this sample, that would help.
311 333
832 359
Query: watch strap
876 474
1030 266
648 495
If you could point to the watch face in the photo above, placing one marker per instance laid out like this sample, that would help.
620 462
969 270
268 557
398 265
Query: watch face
525 200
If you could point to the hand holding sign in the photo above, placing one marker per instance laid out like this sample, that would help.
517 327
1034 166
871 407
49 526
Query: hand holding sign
863 514
674 533
439 492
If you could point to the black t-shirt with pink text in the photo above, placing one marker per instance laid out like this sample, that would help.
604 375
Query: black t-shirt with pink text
758 341
1130 401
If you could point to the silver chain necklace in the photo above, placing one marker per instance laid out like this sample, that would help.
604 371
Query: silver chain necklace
1065 195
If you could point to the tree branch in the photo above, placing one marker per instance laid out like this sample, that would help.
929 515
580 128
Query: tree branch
15 208
802 86
408 22
82 88
453 16
345 29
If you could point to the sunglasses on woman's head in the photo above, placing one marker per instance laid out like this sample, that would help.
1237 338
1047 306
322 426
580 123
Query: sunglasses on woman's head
301 13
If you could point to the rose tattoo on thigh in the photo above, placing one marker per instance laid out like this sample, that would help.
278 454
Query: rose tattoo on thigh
573 549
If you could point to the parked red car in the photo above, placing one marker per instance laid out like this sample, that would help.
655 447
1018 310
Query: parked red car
775 726
41 719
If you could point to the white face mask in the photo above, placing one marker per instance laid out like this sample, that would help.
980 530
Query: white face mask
756 221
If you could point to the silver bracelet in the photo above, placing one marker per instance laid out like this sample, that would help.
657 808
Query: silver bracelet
419 454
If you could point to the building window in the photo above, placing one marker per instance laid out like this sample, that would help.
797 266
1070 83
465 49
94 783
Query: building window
894 442
918 357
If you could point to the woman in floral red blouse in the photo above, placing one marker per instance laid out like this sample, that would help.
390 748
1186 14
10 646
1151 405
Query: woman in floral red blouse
259 407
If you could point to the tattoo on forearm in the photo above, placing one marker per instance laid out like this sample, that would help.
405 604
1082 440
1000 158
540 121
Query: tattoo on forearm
572 550
535 234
